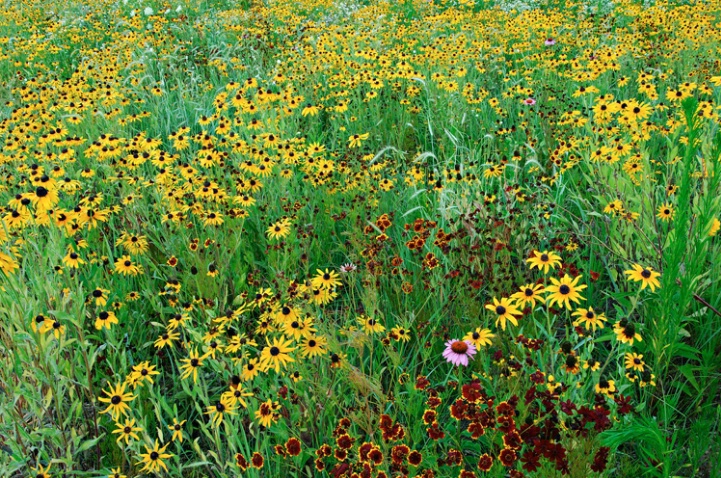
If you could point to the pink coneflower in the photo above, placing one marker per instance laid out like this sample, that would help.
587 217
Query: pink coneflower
348 267
549 42
529 101
459 351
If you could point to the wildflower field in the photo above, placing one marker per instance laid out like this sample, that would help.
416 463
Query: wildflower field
360 238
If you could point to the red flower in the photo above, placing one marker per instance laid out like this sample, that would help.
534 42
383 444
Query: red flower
241 461
257 460
507 457
485 462
293 447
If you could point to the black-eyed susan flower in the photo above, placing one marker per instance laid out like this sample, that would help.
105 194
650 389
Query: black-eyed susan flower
646 275
565 291
370 325
117 400
54 325
400 334
606 387
634 361
505 310
72 260
589 318
479 337
218 411
544 260
153 458
166 339
236 396
625 331
592 364
124 265
356 140
177 429
115 473
126 431
313 346
665 212
142 372
326 279
191 365
105 319
529 294
250 370
278 230
275 355
41 472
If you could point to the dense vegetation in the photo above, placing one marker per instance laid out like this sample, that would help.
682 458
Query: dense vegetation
371 238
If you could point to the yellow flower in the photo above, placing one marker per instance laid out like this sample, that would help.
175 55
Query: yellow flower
665 212
529 294
177 429
218 411
645 275
191 366
267 413
117 399
479 337
634 361
154 457
275 355
326 279
565 291
506 310
715 226
126 431
544 260
355 140
589 318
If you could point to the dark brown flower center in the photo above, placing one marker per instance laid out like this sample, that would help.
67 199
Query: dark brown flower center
459 347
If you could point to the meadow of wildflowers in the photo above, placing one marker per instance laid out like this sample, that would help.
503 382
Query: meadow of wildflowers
360 238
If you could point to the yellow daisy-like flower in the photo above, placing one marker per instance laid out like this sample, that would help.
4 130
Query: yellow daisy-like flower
589 318
607 387
529 294
267 413
626 332
544 260
665 212
191 366
218 411
634 361
479 337
506 310
278 230
117 400
154 457
275 355
326 279
126 431
370 325
565 291
646 275
177 429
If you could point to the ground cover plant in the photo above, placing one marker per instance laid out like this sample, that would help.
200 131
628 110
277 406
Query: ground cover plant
360 238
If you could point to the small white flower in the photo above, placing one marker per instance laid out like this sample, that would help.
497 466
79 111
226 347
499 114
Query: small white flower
148 11
132 13
179 9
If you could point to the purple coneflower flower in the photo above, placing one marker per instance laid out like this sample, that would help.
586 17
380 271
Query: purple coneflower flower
529 101
549 42
459 351
348 267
